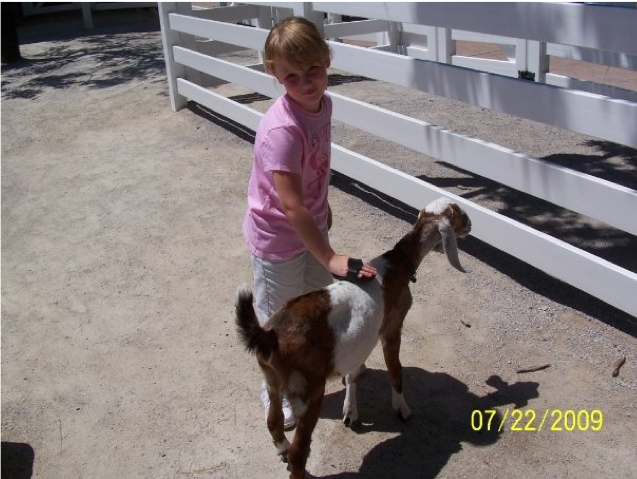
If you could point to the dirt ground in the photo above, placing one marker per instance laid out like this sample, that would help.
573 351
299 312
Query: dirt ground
122 250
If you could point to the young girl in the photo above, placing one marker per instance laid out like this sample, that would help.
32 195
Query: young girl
288 213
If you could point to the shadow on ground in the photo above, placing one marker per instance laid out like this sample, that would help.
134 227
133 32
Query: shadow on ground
17 460
443 410
615 163
592 236
115 52
332 80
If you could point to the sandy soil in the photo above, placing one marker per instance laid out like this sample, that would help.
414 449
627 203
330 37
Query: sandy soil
121 253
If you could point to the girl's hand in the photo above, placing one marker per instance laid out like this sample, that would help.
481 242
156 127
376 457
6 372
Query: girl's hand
337 265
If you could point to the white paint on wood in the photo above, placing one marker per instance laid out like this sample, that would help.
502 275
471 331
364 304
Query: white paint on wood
572 265
576 191
599 27
247 37
595 115
608 118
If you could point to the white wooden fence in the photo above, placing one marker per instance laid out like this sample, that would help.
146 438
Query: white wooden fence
599 32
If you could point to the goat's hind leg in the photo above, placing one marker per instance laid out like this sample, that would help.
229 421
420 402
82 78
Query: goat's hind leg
275 412
307 410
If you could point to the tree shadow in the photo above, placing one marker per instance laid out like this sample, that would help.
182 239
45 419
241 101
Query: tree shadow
109 56
615 163
335 79
332 80
237 129
444 418
248 98
588 234
17 460
518 206
65 26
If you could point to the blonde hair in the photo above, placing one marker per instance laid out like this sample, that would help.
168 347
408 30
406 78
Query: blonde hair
298 41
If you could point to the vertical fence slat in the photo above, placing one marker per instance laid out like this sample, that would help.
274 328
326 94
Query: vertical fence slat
174 70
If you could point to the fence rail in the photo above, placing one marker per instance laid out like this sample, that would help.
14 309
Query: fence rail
604 117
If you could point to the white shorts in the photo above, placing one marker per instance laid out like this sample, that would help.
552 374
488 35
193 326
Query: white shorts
276 281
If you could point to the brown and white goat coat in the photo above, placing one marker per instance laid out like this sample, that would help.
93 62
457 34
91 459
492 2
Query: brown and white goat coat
332 331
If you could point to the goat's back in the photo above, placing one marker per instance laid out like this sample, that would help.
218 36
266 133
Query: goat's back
331 331
355 320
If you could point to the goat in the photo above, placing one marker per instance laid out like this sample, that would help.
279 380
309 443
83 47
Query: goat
331 332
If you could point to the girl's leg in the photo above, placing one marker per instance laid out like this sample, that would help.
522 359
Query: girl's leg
276 281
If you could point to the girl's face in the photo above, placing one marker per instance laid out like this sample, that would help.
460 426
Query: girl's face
304 83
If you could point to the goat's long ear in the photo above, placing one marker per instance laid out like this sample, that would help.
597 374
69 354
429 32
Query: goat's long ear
449 243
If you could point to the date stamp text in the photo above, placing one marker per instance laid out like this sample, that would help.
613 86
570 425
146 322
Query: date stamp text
529 420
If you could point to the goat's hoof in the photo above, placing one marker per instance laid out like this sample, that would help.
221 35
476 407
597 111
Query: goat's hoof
303 475
284 458
404 416
349 420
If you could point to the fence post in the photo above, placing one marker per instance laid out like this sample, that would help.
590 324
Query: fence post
520 56
171 38
306 10
265 19
27 8
537 60
395 37
87 15
334 18
445 46
531 60
10 42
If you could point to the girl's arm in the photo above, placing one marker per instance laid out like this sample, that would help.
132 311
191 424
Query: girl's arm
289 187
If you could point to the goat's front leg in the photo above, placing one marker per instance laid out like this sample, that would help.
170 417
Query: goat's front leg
350 406
391 350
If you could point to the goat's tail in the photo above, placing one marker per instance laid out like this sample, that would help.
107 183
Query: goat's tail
254 337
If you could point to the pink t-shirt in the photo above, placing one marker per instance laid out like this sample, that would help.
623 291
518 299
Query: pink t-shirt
290 139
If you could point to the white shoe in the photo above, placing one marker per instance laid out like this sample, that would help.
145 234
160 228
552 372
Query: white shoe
289 420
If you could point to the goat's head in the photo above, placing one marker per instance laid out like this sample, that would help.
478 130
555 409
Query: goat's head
451 221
